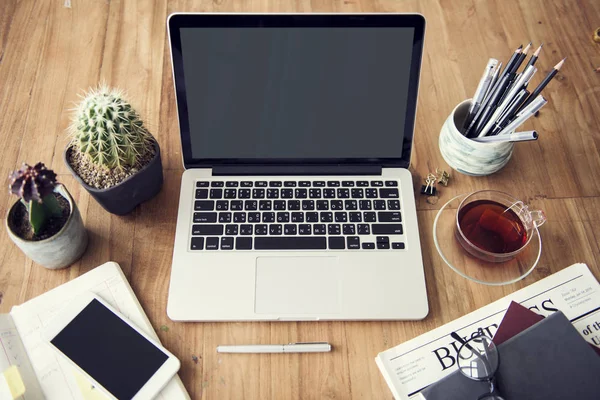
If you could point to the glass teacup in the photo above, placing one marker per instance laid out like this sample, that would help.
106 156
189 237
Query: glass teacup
494 226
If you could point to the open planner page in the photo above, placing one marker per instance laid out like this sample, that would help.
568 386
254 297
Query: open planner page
56 376
12 353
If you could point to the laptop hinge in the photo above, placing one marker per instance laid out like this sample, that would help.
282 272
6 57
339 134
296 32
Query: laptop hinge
296 170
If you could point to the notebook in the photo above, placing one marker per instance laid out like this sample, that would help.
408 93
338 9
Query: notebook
45 374
550 361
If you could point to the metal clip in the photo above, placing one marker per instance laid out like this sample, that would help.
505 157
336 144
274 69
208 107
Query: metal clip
429 187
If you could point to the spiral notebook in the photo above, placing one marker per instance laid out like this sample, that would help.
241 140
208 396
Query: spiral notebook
45 374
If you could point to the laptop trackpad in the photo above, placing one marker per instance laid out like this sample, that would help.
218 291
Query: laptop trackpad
297 285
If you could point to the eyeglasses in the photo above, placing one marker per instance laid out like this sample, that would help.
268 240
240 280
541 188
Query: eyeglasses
478 359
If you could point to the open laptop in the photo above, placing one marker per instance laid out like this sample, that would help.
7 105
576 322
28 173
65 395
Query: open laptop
296 203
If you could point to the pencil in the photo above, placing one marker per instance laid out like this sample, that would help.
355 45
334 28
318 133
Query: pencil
543 84
534 57
520 58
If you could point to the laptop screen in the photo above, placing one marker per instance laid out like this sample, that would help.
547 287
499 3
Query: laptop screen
291 93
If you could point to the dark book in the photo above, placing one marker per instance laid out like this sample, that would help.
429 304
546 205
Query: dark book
516 319
549 360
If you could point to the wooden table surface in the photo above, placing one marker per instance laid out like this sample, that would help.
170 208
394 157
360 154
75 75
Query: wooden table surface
51 50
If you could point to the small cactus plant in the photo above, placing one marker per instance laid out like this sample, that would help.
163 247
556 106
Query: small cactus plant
107 129
35 187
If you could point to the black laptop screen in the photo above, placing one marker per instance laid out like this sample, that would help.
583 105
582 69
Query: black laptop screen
282 93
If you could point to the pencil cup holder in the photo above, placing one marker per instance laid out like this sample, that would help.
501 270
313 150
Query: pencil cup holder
467 156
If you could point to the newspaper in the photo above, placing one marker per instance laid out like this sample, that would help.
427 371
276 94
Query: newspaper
412 366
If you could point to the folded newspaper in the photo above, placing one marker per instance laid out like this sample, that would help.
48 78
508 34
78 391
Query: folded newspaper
412 366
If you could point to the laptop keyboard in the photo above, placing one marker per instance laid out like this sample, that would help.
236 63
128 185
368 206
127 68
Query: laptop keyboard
297 215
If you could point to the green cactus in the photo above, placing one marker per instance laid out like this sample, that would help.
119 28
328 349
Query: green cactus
107 129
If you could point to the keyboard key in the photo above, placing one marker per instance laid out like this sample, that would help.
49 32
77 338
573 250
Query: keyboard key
260 184
239 217
236 205
230 193
333 183
363 229
398 245
369 216
293 205
246 184
244 193
225 217
326 216
347 183
393 216
301 193
379 204
212 243
362 183
274 229
289 229
358 193
349 229
268 217
216 184
383 245
368 246
287 193
371 193
336 205
353 242
312 217
202 184
205 217
389 193
289 184
323 205
329 193
250 205
391 183
387 229
304 183
254 217
197 243
350 205
319 229
297 217
304 229
202 193
308 205
283 217
243 243
207 230
226 243
343 193
393 204
273 193
275 184
261 229
216 193
231 184
291 243
258 193
336 243
334 229
364 204
204 205
265 205
222 205
340 216
376 183
319 183
245 229
355 217
279 205
314 193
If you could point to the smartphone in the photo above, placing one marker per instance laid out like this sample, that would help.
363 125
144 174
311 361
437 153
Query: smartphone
117 357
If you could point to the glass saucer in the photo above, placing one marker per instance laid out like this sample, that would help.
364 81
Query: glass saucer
473 268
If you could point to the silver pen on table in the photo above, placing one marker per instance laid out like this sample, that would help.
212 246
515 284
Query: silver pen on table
512 137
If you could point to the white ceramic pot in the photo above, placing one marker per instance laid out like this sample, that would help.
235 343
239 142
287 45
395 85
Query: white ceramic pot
60 250
467 156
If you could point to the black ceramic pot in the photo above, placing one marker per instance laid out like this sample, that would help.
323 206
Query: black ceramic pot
121 199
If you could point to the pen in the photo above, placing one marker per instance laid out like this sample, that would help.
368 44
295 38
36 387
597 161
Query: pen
484 82
543 84
513 137
495 76
525 114
314 347
509 111
491 105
